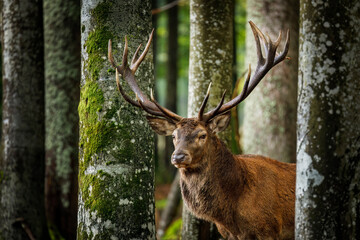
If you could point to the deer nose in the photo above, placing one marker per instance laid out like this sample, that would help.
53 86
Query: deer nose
178 158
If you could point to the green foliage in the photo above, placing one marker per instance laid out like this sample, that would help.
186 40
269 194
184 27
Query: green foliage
174 230
240 34
183 59
160 204
54 233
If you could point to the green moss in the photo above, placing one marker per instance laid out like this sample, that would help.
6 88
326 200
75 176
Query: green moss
98 200
101 12
106 205
95 137
96 47
97 41
93 133
81 233
105 142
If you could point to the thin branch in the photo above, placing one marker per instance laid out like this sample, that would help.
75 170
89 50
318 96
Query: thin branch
25 226
166 7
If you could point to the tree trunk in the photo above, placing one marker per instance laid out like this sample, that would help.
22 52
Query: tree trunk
269 126
171 77
211 59
328 151
62 74
116 170
22 208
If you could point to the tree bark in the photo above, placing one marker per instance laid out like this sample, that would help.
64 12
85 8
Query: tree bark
328 149
269 126
22 161
62 74
116 170
211 59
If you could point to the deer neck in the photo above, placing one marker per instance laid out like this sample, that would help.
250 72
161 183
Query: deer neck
208 184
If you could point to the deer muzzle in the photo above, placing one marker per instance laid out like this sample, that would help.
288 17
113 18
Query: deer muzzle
180 159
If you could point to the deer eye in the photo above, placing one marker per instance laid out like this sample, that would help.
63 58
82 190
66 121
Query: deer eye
202 136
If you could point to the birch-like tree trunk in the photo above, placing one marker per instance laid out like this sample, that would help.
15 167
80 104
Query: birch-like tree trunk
328 149
62 74
22 164
269 126
116 170
211 59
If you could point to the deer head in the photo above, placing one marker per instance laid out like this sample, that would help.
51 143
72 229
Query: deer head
193 135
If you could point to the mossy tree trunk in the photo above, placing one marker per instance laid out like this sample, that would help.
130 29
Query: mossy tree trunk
269 126
328 151
62 74
211 59
116 170
22 164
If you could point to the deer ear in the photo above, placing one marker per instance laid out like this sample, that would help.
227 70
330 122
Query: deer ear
161 126
220 122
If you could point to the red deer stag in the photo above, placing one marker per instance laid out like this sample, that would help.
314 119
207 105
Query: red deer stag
246 196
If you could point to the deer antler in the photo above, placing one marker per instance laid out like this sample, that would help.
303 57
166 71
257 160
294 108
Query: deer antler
128 73
263 66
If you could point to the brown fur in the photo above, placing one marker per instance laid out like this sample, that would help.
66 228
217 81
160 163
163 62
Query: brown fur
246 196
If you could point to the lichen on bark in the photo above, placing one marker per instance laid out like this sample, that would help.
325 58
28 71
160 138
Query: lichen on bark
62 79
116 168
22 160
328 170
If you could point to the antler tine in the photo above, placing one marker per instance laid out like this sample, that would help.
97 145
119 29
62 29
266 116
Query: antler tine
282 56
165 111
128 73
135 64
221 108
214 112
110 56
121 68
133 60
257 34
203 105
124 60
263 66
148 110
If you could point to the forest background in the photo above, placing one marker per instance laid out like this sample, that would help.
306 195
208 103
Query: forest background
79 162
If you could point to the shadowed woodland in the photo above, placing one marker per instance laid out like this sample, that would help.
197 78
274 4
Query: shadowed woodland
79 162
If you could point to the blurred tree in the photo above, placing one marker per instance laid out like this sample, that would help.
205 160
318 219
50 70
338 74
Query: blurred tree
211 59
116 170
171 76
328 166
269 126
62 80
22 164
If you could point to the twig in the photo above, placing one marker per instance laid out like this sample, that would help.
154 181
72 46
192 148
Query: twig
25 226
165 7
173 201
